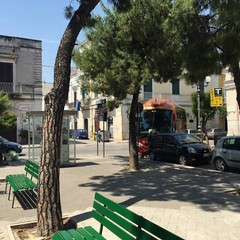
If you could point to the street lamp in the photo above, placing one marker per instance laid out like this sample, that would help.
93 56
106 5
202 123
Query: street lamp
199 124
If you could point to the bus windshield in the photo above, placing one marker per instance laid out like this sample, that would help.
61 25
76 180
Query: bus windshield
158 120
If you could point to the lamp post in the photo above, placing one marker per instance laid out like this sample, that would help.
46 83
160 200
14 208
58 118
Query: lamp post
199 123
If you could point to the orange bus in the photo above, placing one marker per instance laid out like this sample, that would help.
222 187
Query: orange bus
159 115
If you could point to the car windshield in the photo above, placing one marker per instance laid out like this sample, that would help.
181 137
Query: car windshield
83 130
186 138
193 131
3 139
218 130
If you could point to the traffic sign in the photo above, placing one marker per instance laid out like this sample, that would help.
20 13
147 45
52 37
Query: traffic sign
216 97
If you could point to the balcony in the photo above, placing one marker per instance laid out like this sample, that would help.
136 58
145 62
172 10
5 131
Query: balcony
6 87
15 91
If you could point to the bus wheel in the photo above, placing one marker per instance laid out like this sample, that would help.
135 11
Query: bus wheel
152 155
182 160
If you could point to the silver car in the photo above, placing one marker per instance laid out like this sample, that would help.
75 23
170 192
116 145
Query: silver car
227 153
216 132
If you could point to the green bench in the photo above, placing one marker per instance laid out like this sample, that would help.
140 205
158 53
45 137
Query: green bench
23 181
122 222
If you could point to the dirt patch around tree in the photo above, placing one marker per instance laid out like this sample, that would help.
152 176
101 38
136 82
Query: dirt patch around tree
28 231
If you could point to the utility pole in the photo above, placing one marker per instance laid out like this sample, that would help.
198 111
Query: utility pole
199 127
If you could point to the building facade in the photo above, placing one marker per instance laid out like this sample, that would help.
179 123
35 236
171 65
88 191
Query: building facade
233 118
21 76
117 121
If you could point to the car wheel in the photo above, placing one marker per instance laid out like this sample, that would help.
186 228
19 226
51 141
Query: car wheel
11 155
220 165
182 160
152 155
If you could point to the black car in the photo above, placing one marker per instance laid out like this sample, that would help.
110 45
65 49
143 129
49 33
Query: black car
9 149
179 147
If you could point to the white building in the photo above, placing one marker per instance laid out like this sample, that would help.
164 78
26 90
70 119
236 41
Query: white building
232 106
21 75
117 120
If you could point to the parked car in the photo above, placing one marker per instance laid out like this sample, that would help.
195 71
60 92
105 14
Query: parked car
196 133
216 132
179 147
226 153
80 134
10 150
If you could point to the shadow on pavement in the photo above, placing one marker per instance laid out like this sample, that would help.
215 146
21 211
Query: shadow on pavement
158 182
27 199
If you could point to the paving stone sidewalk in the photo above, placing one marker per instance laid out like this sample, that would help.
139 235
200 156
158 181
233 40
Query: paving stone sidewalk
192 202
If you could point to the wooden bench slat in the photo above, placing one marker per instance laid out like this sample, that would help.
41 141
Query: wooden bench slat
140 221
62 235
158 230
115 217
23 181
85 234
123 223
118 208
75 234
94 233
111 226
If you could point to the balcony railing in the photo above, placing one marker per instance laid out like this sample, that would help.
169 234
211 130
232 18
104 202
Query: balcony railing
19 88
6 87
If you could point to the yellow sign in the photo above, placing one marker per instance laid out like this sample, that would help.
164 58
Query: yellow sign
216 97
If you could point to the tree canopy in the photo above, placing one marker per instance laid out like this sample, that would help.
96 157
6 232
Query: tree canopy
207 112
127 50
209 34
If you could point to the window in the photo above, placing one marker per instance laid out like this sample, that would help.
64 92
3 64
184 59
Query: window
84 94
147 89
6 76
169 140
175 87
229 143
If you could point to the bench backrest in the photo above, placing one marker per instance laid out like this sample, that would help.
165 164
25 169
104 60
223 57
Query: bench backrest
125 223
32 168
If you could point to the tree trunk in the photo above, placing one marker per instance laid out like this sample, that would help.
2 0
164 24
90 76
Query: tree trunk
49 210
133 150
236 76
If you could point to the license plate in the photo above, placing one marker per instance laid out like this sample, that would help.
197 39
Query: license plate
206 154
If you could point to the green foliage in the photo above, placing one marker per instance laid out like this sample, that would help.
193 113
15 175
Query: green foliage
5 104
127 49
191 20
7 119
68 11
209 35
181 113
222 111
207 112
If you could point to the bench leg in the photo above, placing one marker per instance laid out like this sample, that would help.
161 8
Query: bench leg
13 199
9 192
6 187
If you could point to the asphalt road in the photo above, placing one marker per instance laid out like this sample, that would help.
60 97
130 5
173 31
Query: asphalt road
85 148
90 148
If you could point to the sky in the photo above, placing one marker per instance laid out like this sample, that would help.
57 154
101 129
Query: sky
39 20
